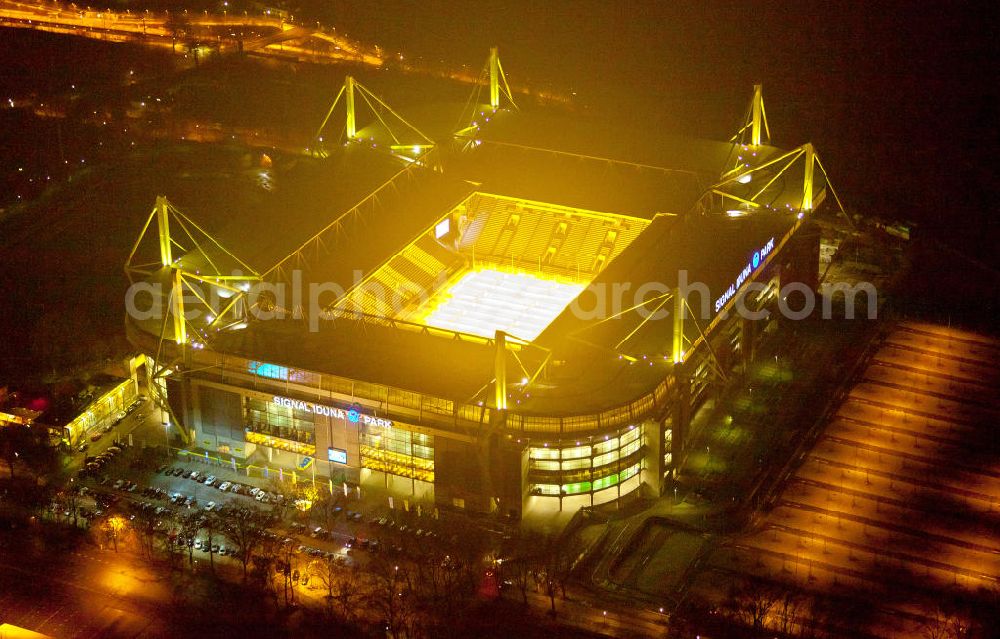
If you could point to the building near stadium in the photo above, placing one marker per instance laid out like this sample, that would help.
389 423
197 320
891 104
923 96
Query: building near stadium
521 315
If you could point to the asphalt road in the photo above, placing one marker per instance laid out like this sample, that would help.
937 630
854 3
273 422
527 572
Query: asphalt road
89 593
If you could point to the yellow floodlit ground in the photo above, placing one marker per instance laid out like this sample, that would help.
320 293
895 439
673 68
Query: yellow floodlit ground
483 301
10 631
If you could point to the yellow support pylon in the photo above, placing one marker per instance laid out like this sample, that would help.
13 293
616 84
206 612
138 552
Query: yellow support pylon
163 225
807 184
758 115
352 131
177 307
500 371
494 78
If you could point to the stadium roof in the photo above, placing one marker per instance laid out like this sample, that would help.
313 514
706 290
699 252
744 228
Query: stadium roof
539 157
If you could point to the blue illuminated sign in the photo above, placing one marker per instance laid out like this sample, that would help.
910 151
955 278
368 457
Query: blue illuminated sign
350 415
272 371
755 261
336 455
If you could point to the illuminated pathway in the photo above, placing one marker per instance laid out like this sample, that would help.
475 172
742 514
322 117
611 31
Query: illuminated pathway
899 501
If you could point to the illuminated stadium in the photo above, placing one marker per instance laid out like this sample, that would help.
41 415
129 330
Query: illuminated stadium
494 318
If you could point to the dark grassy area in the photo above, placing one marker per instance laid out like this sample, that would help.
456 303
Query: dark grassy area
62 255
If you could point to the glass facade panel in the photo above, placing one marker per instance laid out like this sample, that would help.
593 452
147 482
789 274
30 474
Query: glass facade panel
605 482
573 464
546 489
629 472
606 458
628 449
576 452
273 420
270 371
589 467
576 488
544 464
544 453
398 451
631 435
609 444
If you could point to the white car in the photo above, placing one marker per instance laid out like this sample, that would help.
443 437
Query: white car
210 506
224 485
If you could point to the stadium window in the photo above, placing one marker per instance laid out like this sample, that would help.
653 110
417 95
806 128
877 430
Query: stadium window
544 453
630 436
605 446
605 482
606 458
576 452
574 489
545 464
575 464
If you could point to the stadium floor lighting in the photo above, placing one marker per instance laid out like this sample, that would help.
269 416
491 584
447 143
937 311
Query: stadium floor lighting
487 300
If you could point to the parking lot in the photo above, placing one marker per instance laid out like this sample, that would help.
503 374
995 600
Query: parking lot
186 491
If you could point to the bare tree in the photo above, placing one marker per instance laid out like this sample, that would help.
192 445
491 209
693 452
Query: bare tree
144 525
341 582
190 527
347 592
750 602
172 550
948 620
789 610
265 561
325 570
212 525
244 528
518 559
390 593
559 556
286 560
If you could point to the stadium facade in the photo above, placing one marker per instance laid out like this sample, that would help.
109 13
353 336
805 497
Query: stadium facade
522 315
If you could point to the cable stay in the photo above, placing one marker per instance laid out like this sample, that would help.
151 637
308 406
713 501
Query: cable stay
402 136
474 113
